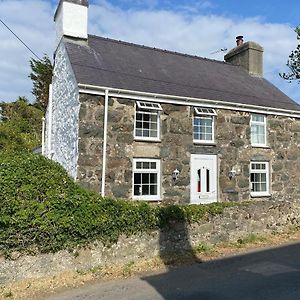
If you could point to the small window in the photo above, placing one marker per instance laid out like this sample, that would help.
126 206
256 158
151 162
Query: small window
203 125
205 111
147 121
146 179
259 179
148 105
258 130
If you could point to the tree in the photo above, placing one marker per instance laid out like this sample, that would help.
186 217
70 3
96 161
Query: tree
21 126
41 76
294 62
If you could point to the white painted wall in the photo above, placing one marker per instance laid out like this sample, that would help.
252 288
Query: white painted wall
62 123
71 20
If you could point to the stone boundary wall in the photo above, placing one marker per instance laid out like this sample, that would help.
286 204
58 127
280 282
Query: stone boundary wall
235 222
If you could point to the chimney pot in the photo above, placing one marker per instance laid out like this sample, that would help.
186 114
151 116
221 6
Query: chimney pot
239 40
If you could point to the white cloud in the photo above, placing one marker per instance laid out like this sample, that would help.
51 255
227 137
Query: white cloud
179 30
32 21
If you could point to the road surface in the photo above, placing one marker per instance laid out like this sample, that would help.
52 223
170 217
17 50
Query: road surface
267 274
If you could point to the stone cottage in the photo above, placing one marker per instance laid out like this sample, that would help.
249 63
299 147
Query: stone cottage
135 122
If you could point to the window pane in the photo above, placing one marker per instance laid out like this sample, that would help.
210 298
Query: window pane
153 126
153 178
256 187
153 118
199 181
208 137
153 133
146 117
146 165
145 190
153 189
139 132
258 118
146 125
153 165
196 121
209 129
139 116
146 132
137 178
138 165
139 125
145 178
137 190
207 181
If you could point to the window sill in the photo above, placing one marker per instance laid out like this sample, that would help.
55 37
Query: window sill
140 139
203 143
155 199
260 146
260 195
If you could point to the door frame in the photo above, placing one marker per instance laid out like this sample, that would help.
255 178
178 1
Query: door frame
217 177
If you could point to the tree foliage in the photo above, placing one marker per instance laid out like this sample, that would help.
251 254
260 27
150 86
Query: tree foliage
294 62
21 126
41 76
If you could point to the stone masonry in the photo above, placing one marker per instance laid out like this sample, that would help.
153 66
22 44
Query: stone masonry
260 218
232 145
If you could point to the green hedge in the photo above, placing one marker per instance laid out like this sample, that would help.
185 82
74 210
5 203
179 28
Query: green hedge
43 210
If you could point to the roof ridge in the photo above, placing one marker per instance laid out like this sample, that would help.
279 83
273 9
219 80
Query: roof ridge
160 50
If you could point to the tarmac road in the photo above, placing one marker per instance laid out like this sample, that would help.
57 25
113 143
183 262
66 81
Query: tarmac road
268 274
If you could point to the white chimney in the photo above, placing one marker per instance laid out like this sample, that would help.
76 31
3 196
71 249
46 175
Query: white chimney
71 19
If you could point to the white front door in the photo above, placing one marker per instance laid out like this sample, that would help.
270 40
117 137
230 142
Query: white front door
203 179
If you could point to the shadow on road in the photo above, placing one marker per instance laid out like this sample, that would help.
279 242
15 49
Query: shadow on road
267 274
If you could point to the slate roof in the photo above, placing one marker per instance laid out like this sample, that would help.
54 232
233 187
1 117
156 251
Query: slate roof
116 64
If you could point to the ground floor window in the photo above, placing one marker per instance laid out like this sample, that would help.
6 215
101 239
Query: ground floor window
146 179
259 178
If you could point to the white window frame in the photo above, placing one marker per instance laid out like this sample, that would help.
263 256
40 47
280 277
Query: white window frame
140 108
264 124
205 113
148 105
260 171
157 171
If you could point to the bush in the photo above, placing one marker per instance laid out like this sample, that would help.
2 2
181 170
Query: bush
43 210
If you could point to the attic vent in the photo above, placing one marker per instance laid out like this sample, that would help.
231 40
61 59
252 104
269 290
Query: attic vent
148 105
205 111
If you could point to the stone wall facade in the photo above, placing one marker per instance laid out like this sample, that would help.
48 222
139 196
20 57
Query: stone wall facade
234 223
232 147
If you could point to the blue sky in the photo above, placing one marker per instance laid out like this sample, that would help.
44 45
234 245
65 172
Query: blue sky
278 11
195 27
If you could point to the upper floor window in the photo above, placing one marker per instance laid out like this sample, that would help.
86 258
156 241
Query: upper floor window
258 130
259 179
203 125
147 121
